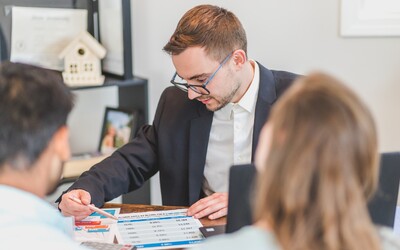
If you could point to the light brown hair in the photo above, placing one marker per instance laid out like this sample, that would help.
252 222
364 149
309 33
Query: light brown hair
321 168
216 29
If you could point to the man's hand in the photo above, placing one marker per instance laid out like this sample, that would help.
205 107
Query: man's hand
214 206
69 207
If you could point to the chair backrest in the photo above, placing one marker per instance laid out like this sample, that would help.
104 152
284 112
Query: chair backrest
382 207
241 179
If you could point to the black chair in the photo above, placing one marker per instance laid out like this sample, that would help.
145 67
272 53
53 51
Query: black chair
241 179
382 207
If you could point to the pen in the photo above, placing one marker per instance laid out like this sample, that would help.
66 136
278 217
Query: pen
94 208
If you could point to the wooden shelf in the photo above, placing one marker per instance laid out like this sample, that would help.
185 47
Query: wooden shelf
75 167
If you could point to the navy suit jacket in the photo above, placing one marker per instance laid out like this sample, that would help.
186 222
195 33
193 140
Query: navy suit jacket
175 145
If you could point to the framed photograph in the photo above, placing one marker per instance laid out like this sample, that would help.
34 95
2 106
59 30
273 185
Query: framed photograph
115 36
361 18
119 126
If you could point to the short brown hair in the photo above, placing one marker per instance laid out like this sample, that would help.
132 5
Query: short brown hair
321 168
216 29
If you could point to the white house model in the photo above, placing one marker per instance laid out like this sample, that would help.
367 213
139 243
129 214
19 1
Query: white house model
82 61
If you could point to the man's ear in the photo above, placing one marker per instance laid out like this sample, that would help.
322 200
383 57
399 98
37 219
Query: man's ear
61 143
239 57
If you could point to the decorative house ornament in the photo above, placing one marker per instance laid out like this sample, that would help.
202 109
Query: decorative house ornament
82 61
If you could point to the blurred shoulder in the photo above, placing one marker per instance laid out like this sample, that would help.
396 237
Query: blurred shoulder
249 237
390 241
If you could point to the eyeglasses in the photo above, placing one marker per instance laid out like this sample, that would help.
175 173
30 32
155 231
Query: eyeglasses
184 85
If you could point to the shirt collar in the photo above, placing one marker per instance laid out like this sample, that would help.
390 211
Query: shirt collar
225 113
249 99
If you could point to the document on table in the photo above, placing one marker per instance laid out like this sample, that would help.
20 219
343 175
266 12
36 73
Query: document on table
160 229
39 35
97 227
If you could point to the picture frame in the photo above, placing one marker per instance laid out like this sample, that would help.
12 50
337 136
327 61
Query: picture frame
119 126
116 36
370 18
6 18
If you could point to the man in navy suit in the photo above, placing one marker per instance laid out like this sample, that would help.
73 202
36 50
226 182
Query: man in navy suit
197 133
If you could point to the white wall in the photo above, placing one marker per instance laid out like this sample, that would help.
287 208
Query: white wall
86 118
298 36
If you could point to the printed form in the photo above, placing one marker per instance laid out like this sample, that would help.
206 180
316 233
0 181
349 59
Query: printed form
96 227
160 229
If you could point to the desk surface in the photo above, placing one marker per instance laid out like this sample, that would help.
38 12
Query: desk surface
132 208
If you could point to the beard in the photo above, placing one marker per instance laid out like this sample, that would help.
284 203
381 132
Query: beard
224 100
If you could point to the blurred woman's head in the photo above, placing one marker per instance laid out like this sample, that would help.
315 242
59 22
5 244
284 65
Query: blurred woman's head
318 161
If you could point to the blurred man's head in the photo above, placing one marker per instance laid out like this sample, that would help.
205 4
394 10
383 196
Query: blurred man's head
34 105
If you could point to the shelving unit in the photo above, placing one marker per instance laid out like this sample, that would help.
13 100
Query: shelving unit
132 92
132 95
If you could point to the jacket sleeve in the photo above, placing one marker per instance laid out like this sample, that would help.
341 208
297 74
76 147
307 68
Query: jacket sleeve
127 168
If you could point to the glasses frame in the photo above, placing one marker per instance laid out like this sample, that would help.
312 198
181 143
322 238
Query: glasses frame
185 86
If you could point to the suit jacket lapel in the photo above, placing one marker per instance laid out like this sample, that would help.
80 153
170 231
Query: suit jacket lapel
199 135
201 126
266 97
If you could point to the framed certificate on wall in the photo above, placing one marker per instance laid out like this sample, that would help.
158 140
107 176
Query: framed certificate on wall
11 12
115 36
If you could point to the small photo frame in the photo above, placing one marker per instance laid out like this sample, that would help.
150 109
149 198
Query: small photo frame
118 127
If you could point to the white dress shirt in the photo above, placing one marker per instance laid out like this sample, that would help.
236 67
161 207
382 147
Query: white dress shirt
231 138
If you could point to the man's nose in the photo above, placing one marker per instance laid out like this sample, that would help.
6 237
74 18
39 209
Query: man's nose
192 94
